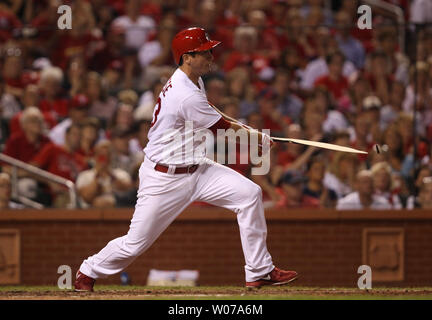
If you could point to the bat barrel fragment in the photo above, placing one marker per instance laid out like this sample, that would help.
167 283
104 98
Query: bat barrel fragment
317 144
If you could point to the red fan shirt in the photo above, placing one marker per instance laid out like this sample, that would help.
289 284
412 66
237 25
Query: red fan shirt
59 161
338 88
18 147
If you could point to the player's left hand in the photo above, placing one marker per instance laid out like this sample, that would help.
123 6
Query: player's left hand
266 140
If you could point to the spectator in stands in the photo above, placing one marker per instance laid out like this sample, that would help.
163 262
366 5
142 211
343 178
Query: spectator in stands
272 117
139 142
139 28
361 137
359 89
239 86
98 187
89 136
341 173
294 35
128 96
244 53
128 198
364 35
371 108
421 11
104 15
382 181
364 197
405 124
156 53
293 156
78 111
31 97
63 161
6 192
312 119
215 89
341 138
335 82
334 120
311 5
10 21
291 192
74 80
4 131
315 187
379 75
288 103
424 94
102 106
110 59
393 139
12 70
318 67
52 97
423 172
79 40
278 15
268 45
276 52
43 18
425 194
230 106
312 22
26 144
270 182
350 47
398 63
390 112
121 156
122 118
147 102
292 62
207 15
427 159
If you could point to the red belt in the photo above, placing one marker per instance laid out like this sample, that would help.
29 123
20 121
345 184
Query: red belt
190 169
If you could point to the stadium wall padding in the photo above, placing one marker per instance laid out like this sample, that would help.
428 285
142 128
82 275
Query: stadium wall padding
325 246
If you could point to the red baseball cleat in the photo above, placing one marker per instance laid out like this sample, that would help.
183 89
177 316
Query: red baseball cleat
277 277
83 283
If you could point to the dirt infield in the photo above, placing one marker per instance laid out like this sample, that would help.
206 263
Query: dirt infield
218 293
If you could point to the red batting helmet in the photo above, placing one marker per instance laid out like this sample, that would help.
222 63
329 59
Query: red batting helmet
191 40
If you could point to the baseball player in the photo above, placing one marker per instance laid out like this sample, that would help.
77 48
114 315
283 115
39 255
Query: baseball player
170 183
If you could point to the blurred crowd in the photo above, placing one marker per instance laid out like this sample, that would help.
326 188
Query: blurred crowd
78 102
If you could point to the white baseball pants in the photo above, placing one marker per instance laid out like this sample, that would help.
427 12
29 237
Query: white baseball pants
163 196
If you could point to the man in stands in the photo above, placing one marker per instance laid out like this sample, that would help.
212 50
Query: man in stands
364 197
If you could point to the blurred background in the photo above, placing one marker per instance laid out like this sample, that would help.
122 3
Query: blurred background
78 103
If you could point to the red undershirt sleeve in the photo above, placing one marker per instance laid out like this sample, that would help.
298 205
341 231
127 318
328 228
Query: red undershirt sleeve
221 124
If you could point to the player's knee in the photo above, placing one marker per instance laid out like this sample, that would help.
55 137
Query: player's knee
253 191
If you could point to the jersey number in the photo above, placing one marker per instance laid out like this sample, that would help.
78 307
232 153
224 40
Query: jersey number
158 107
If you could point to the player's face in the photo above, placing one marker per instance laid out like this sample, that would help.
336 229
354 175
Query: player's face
202 62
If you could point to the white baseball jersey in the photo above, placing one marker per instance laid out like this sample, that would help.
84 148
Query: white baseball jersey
182 110
163 196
